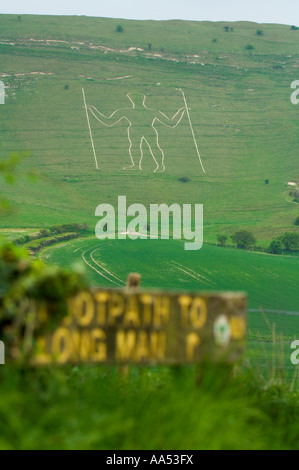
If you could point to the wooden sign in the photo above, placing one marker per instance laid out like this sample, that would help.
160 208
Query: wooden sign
144 327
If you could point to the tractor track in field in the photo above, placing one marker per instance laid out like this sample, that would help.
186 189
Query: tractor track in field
102 267
89 260
193 274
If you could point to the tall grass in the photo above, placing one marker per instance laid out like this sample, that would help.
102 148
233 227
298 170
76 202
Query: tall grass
153 408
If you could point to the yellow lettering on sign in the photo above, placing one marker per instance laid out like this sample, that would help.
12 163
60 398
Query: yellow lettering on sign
184 302
101 299
83 308
67 321
98 352
81 345
147 301
125 344
142 347
116 307
131 317
193 312
161 310
158 344
198 313
62 345
192 342
238 327
41 356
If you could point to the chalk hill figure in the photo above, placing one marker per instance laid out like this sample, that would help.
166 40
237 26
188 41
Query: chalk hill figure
141 128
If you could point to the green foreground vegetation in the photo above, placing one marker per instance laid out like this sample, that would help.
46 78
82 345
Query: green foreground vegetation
153 408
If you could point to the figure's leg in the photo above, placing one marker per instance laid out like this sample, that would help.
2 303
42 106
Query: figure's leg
141 152
134 149
156 151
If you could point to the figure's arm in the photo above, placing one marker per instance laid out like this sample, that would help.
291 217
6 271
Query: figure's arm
110 121
171 122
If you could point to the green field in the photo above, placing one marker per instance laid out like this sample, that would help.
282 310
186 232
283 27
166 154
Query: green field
269 280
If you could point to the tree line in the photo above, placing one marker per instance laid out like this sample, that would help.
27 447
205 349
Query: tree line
244 239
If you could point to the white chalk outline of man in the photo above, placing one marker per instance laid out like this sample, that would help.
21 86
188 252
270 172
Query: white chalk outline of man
135 136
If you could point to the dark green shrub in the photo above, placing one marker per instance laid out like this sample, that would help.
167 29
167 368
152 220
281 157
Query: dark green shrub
275 247
23 282
184 179
290 240
45 233
222 239
243 239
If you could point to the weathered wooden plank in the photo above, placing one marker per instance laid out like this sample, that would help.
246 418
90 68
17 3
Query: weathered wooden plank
105 326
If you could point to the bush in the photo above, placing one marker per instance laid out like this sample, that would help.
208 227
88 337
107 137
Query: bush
45 233
222 239
267 181
249 47
23 284
243 239
22 240
68 228
184 179
36 245
119 29
259 32
55 230
290 240
22 278
275 247
297 220
294 28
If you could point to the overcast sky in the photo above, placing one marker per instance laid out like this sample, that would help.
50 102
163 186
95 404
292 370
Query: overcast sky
261 11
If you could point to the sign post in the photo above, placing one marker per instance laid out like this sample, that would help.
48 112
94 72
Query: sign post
145 327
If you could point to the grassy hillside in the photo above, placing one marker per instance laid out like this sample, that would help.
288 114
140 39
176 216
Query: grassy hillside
244 122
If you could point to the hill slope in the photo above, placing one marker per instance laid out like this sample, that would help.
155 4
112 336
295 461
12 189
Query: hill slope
243 121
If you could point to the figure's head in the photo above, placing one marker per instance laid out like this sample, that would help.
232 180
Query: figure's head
137 99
